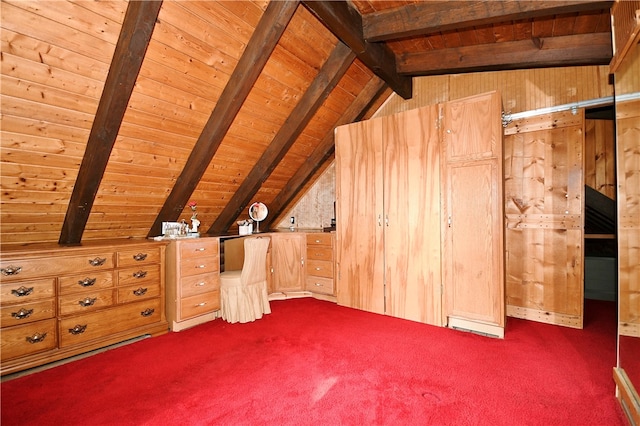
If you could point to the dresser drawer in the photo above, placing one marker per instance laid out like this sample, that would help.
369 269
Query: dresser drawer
12 270
320 239
319 285
82 328
198 248
320 268
24 313
81 283
320 253
198 284
199 304
28 339
139 276
85 302
138 292
27 291
140 256
200 265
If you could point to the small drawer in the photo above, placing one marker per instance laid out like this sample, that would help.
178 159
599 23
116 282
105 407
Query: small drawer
319 253
140 256
320 268
199 304
320 239
82 283
138 276
198 284
138 292
199 265
198 248
28 339
319 285
85 302
27 312
27 291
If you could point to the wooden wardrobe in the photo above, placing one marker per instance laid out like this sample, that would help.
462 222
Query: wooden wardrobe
419 215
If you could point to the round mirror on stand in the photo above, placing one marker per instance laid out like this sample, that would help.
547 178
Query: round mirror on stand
258 212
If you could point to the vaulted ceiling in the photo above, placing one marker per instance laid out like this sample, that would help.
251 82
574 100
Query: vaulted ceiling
115 115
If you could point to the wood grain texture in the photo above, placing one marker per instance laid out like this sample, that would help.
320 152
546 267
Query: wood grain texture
544 211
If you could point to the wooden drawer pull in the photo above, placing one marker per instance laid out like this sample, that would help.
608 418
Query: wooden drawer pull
87 302
87 282
97 261
140 292
11 270
147 312
36 338
139 257
78 329
22 313
22 291
140 274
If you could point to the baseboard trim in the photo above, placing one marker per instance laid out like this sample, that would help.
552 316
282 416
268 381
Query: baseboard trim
627 396
476 327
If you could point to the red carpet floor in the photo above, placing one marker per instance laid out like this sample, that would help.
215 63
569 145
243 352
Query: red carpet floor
312 362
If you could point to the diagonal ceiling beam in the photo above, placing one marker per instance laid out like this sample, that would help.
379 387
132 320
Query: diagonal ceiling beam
346 23
332 71
135 34
583 49
430 17
262 43
324 150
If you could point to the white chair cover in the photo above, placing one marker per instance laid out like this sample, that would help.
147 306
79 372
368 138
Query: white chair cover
243 294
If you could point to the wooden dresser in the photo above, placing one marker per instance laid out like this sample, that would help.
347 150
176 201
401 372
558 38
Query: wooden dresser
193 282
62 301
320 261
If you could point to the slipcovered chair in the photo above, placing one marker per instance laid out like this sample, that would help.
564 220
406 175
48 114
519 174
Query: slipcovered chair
243 294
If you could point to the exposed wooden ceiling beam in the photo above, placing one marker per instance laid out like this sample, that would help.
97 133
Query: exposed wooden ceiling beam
584 49
324 150
346 23
430 17
332 71
263 41
135 34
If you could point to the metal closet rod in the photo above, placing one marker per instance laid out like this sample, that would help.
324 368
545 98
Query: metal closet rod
607 100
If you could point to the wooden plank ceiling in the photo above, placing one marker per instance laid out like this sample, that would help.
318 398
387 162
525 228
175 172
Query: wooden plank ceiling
115 115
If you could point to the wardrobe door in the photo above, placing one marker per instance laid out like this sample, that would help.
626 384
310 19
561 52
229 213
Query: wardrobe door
359 231
412 215
473 237
544 209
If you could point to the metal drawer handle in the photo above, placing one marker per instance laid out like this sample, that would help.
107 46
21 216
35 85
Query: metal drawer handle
36 338
147 312
87 302
22 313
22 291
317 241
97 261
200 284
200 249
140 274
139 292
318 269
78 329
139 257
87 282
200 266
318 285
11 270
201 304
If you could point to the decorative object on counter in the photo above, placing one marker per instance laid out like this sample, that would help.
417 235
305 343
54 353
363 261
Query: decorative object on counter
195 223
245 227
258 212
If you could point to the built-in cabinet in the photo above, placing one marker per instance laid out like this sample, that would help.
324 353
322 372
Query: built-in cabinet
319 277
62 301
193 282
390 242
287 262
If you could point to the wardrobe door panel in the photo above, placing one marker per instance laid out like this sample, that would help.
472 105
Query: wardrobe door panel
359 231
